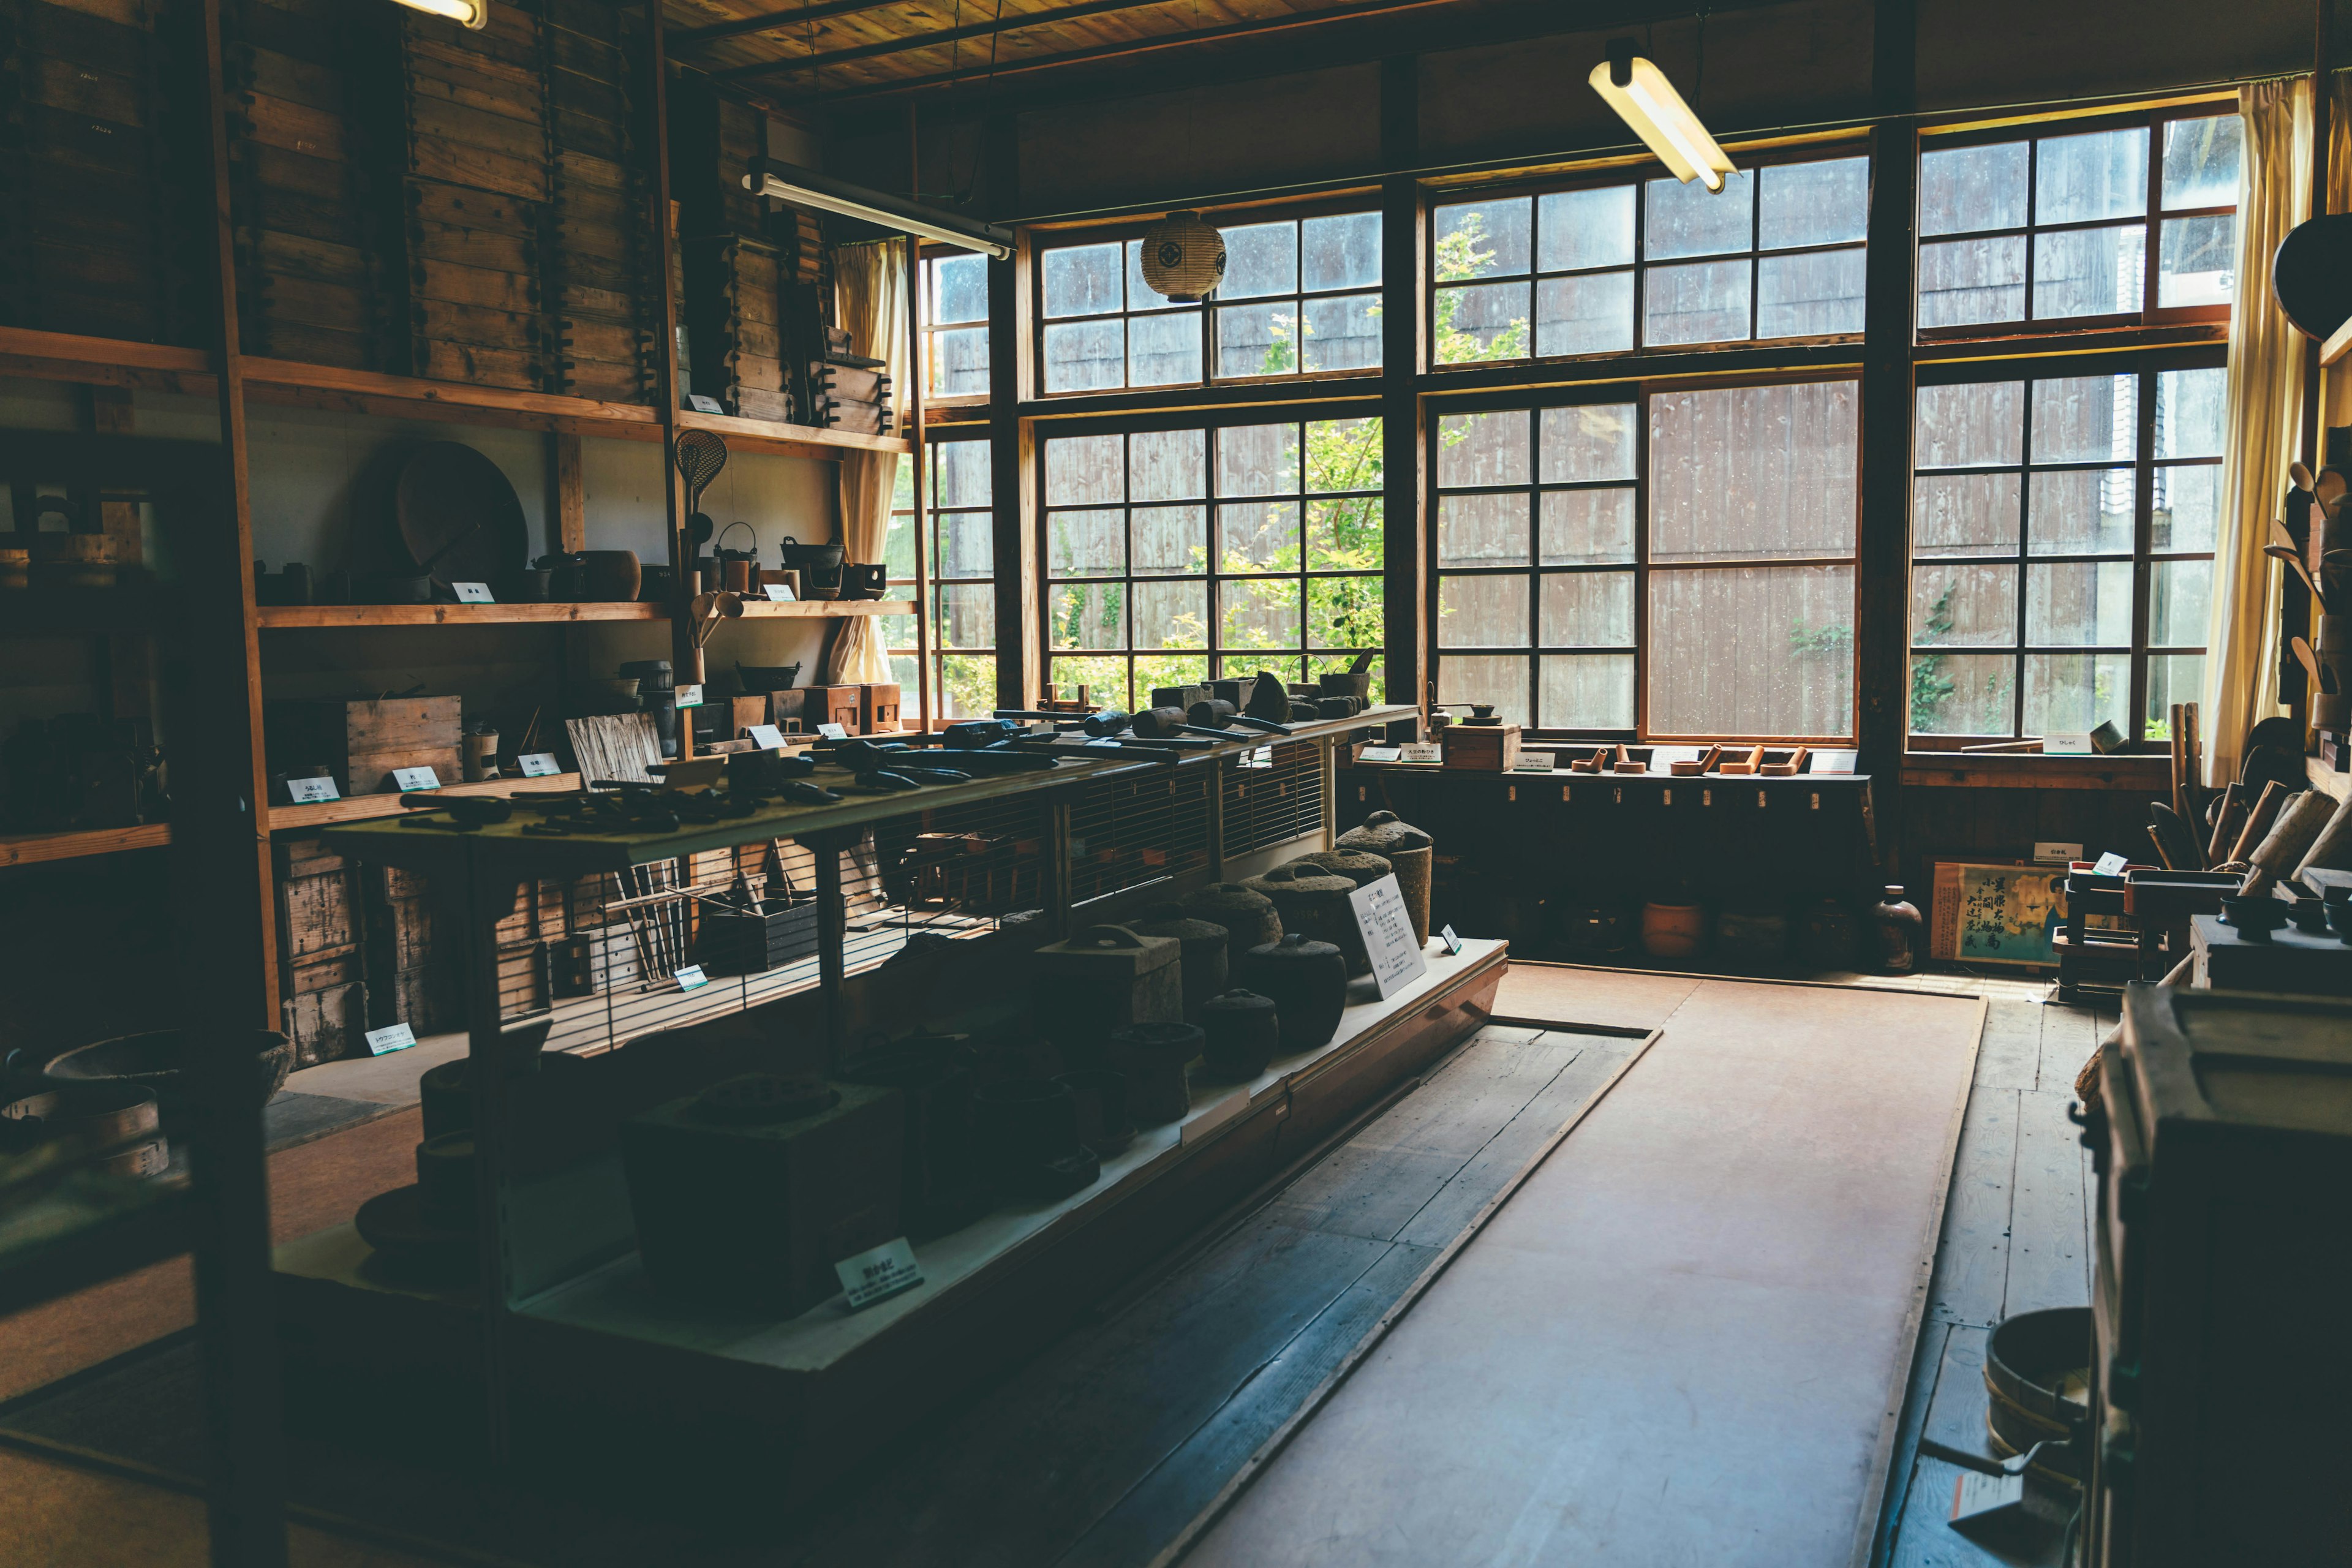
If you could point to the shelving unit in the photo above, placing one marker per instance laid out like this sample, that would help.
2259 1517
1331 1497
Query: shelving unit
33 848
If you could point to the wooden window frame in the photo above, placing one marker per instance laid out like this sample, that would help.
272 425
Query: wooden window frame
935 402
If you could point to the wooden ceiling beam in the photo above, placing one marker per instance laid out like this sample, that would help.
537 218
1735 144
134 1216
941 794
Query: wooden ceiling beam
772 22
1013 24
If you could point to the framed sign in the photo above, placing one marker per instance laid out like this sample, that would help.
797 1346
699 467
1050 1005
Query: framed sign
1996 911
1387 932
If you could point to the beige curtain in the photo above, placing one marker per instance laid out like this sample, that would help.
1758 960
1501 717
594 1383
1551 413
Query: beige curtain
2265 396
870 302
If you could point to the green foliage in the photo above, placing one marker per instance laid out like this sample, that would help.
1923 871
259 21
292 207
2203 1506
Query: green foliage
1931 687
1828 639
1460 256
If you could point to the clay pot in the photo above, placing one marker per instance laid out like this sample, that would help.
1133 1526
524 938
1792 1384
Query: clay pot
610 576
1901 933
1360 866
1408 851
1104 1124
1752 935
1827 937
1249 917
1239 1034
1028 1134
1314 902
1154 1057
1202 952
1307 982
1672 930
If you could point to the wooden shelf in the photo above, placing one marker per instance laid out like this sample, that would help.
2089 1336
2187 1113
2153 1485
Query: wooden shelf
31 848
792 440
364 808
283 617
840 609
104 361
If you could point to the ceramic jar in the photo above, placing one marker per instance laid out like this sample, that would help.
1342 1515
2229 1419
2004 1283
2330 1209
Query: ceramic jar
1239 1034
1408 851
1827 937
1201 951
1901 933
1360 866
1671 930
1751 935
1249 918
1154 1057
1315 903
610 576
1307 982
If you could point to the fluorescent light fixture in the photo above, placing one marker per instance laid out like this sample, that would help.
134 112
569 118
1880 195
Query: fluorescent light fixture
474 14
1648 102
807 188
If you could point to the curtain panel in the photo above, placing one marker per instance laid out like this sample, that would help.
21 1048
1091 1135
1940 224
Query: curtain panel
870 302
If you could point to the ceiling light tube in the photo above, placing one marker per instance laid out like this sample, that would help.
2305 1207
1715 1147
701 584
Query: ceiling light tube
1647 101
474 14
806 188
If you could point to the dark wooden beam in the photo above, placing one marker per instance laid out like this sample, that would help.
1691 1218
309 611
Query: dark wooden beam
1018 22
1403 602
773 21
1011 488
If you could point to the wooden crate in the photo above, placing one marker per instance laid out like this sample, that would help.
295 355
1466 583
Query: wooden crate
363 739
877 708
842 705
411 955
734 311
712 141
322 990
325 1022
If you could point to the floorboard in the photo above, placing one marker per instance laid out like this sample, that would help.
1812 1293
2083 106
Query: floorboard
2048 1258
1972 1260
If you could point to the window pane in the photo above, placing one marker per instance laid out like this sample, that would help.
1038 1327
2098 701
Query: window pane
1262 614
1081 356
1968 188
2172 678
1344 612
1815 204
1588 692
1963 283
2068 693
1481 322
1969 426
1342 252
2181 593
1482 612
1343 333
967 615
1579 526
1962 694
967 546
1258 536
2086 419
961 473
2102 174
899 546
2079 604
2189 414
1104 678
1698 303
2188 511
2085 512
1261 258
2089 271
1752 650
967 688
1809 295
1257 461
1164 350
1963 605
1482 239
1168 669
1587 609
959 363
1752 472
1142 296
1482 531
1343 455
1592 314
1167 464
2197 264
1589 441
1498 679
1088 614
1082 280
1172 615
1085 543
1482 449
1577 229
1344 534
2200 162
1964 514
1169 541
1691 220
1257 339
1084 470
959 288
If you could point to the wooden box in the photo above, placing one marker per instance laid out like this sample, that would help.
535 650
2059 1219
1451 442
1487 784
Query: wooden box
877 708
734 312
788 710
363 739
1480 748
771 933
842 705
1101 978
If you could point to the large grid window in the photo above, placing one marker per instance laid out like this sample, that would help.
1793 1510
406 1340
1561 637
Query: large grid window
1653 264
1176 554
955 325
2055 229
1677 565
964 580
2063 531
1300 296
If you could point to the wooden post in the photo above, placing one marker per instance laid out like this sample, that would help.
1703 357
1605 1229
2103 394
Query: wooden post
1019 659
130 655
832 936
667 382
488 1083
567 495
1405 601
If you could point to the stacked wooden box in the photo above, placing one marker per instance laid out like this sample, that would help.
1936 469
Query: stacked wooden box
362 740
524 936
734 322
602 275
414 960
101 227
848 390
321 987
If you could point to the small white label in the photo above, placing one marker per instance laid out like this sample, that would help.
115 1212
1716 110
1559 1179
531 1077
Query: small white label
2110 864
473 593
1378 755
767 736
874 1276
1387 932
310 792
1422 752
2066 745
1452 943
2055 854
1532 762
539 764
702 404
778 593
391 1037
1103 741
833 732
690 697
691 977
415 778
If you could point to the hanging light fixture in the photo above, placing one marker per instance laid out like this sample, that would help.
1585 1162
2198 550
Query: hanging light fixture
474 14
807 188
1647 101
1183 257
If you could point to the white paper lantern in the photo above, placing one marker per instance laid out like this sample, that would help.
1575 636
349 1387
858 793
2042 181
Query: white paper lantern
1183 257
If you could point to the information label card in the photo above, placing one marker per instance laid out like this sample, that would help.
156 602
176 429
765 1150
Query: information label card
391 1037
415 778
1388 935
539 764
767 736
310 792
473 593
874 1276
1423 752
691 977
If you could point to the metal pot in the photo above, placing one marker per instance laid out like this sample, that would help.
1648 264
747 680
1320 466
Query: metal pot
795 556
1308 982
1239 1033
